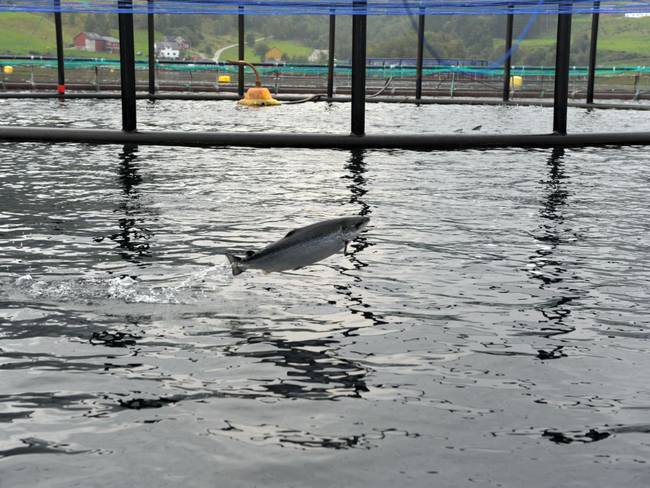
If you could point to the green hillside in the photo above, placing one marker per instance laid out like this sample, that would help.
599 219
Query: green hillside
622 41
23 33
33 34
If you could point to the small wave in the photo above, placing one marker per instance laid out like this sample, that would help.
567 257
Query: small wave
130 289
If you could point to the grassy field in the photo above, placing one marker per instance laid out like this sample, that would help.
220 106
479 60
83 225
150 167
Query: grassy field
291 48
27 34
23 33
621 40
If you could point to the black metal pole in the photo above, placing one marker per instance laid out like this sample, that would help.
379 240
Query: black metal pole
563 49
59 47
127 65
359 69
418 61
152 50
330 57
507 62
242 54
591 76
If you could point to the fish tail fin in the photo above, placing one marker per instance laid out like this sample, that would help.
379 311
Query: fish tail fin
235 264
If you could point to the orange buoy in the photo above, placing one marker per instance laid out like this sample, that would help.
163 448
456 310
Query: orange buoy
256 96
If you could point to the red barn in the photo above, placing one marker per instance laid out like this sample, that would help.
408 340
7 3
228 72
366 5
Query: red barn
90 41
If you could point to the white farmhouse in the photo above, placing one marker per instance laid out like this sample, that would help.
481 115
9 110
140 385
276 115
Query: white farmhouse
318 55
167 50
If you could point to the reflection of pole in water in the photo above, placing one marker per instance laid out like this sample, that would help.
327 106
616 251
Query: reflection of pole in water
312 372
546 267
357 169
133 238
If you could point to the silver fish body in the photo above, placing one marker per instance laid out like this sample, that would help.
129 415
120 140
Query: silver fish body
302 246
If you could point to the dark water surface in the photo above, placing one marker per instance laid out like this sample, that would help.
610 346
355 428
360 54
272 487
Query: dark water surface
490 328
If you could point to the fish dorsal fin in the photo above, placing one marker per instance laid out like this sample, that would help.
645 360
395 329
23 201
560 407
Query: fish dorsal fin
249 253
290 233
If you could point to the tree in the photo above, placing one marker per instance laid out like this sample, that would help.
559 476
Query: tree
261 48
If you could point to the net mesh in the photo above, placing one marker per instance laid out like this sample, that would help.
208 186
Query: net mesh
386 71
324 7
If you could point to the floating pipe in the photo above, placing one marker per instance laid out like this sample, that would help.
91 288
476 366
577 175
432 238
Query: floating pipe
419 142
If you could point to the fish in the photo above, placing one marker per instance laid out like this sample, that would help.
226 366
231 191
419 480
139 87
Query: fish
302 246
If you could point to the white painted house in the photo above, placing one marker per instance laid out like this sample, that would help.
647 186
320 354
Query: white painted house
318 55
167 50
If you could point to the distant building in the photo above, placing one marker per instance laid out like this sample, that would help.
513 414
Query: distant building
180 41
318 55
91 41
273 55
633 15
411 62
167 50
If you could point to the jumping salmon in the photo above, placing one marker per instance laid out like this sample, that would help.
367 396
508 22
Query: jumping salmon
302 246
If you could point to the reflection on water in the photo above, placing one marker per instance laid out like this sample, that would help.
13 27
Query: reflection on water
133 238
163 361
356 167
312 370
546 266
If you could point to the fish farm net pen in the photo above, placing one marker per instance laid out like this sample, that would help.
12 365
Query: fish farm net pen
627 82
355 79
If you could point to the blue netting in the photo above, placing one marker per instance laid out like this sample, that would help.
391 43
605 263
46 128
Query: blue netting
324 7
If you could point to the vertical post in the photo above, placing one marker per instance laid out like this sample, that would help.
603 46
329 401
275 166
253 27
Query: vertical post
242 55
127 65
418 56
359 68
60 88
591 75
152 50
330 57
563 49
507 62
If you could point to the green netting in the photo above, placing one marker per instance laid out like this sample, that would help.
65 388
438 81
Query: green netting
374 71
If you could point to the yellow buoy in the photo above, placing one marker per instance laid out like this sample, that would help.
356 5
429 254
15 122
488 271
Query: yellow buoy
257 96
7 70
223 79
516 82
